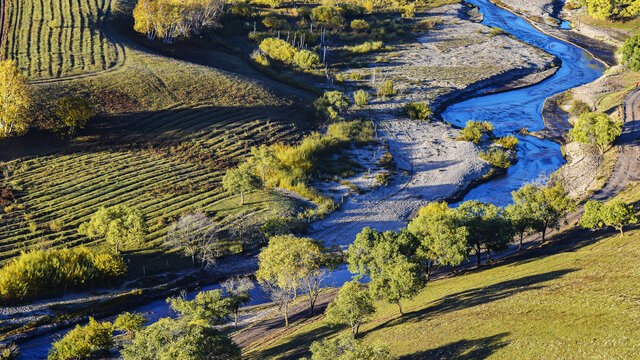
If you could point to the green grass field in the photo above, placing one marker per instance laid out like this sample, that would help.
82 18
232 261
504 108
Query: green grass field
57 38
575 298
163 134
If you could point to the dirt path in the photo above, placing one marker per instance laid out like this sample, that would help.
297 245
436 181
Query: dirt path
627 168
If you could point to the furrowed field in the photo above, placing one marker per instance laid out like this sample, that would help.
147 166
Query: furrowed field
58 38
163 134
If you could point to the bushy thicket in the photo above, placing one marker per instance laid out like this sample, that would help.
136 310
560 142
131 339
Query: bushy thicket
331 104
496 157
631 53
475 131
609 9
283 51
367 47
418 111
508 142
39 272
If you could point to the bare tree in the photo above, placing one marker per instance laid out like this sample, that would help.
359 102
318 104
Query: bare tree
197 236
238 289
203 13
245 228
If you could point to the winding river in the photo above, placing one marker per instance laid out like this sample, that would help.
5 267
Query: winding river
508 111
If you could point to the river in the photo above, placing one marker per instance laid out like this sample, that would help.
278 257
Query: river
508 111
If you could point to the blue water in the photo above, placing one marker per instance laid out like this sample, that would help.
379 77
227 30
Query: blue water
508 112
565 25
512 110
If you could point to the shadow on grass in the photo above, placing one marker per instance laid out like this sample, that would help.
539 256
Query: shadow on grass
474 297
463 349
296 346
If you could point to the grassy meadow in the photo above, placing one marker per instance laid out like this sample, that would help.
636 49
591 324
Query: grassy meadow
573 298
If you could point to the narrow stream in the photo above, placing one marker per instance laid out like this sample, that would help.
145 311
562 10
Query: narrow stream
508 111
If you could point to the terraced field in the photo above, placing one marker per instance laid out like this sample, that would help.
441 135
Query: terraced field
53 38
179 171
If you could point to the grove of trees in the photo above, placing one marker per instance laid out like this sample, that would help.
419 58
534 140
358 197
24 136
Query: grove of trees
615 213
612 9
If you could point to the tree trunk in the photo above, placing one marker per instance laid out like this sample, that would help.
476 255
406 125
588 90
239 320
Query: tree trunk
621 230
286 315
544 232
241 198
235 321
488 255
117 248
478 257
193 259
521 237
400 308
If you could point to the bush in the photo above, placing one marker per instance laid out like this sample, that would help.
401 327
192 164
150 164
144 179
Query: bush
306 59
274 22
367 47
508 142
278 49
418 111
356 130
9 352
83 340
360 25
331 104
496 157
361 97
387 88
241 9
351 10
259 58
475 131
579 107
39 272
328 16
631 53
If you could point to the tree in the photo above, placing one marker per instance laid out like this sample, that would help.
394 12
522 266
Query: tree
82 341
487 226
264 160
130 323
197 236
394 276
631 53
208 306
289 263
347 348
596 129
306 59
241 180
476 131
547 205
119 225
169 339
523 219
238 289
352 306
74 112
441 237
615 213
15 99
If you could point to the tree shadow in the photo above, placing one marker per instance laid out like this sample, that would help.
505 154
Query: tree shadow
474 297
463 349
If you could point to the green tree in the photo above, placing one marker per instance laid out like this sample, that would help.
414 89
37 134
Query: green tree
264 160
15 99
523 219
119 225
238 289
289 263
394 276
442 239
631 53
241 180
347 348
169 339
476 131
130 323
546 205
596 129
83 340
353 306
74 112
488 228
615 213
209 306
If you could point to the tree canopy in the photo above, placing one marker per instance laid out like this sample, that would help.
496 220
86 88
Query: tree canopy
353 306
615 213
238 289
208 306
241 180
83 340
488 228
119 225
15 99
596 129
74 112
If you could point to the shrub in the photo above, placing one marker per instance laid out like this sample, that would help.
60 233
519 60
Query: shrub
306 59
367 47
356 130
631 53
241 9
351 10
360 25
496 31
331 104
39 272
9 352
579 107
83 340
418 111
387 88
508 142
409 11
278 49
496 157
274 22
328 16
475 131
259 58
361 97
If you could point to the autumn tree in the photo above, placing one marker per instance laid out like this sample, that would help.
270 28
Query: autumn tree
15 99
196 235
442 238
74 112
118 225
82 341
238 289
615 213
546 205
241 180
596 129
353 306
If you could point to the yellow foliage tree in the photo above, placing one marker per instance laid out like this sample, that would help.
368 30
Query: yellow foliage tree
15 98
